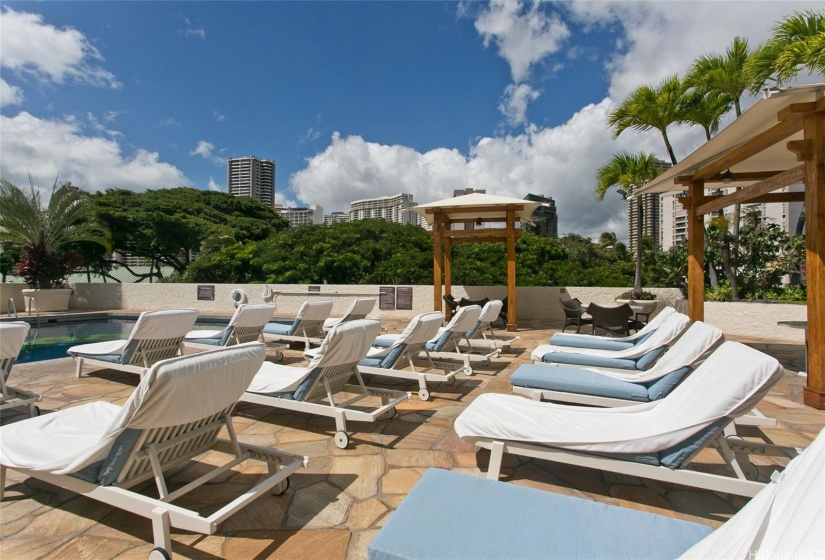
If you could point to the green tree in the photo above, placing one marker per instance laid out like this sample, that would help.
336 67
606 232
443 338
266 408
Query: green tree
649 107
723 75
797 44
45 232
706 110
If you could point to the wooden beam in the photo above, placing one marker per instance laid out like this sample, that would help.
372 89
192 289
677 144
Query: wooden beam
796 111
475 232
512 324
804 149
765 198
773 135
696 255
498 239
814 393
475 209
437 260
686 180
789 177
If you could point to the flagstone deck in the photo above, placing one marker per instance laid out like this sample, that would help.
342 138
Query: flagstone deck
334 507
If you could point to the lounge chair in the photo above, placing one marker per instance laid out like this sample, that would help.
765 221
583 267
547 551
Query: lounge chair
12 337
613 319
501 520
306 327
157 335
609 343
101 450
313 389
639 357
599 387
358 309
244 326
406 350
482 335
574 314
653 440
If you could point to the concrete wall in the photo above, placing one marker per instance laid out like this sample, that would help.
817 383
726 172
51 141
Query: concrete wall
537 306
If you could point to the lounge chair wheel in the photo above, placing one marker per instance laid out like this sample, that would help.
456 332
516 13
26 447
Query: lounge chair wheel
450 381
468 370
390 414
159 553
341 439
35 411
424 394
281 487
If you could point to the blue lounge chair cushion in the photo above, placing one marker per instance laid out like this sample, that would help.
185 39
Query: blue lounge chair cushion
385 341
579 381
561 339
501 520
438 344
112 358
387 361
662 387
572 358
282 327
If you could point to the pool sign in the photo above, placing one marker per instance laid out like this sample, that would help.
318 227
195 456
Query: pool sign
206 293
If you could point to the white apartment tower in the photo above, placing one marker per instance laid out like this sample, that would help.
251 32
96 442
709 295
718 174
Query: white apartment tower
251 177
391 208
313 215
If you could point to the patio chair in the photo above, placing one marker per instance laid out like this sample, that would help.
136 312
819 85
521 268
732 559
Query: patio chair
245 325
613 319
654 440
639 357
102 450
501 520
574 314
306 327
358 309
313 389
482 334
405 350
608 343
157 335
642 310
12 336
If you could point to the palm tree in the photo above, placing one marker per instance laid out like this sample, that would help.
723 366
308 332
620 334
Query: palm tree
45 232
628 172
798 44
723 75
706 110
651 107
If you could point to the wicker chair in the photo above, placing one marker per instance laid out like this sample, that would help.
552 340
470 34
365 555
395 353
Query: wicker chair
573 314
614 319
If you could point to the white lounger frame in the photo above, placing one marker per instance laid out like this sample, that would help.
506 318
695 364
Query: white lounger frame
481 339
11 397
320 400
170 447
312 332
734 452
428 375
146 354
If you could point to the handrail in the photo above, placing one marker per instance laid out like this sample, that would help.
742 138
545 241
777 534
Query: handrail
36 309
11 307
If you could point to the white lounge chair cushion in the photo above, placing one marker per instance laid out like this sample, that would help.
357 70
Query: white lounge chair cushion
12 337
175 391
205 334
275 378
729 383
106 348
667 331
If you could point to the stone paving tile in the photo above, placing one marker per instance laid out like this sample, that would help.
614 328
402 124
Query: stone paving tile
334 507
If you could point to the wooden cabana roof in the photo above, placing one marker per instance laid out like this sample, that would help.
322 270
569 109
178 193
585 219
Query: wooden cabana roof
472 208
778 142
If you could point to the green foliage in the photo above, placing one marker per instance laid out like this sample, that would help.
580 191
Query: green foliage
797 44
9 257
641 296
170 225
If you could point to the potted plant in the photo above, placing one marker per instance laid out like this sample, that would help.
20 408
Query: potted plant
44 233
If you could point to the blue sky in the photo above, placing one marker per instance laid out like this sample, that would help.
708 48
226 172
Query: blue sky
351 99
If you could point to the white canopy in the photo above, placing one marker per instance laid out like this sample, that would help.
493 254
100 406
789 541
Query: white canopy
485 206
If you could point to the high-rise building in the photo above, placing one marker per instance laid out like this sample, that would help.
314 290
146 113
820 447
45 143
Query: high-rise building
650 208
335 218
545 217
251 177
391 208
314 214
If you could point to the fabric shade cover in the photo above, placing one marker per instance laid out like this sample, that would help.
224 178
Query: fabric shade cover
490 207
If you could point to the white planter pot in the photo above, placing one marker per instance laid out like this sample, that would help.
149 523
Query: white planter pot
56 299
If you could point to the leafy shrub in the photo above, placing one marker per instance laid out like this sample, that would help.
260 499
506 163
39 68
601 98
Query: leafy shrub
643 295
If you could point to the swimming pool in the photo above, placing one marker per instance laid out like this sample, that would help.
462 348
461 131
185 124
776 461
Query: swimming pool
50 340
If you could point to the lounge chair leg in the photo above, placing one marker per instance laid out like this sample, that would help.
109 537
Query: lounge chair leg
496 455
79 366
161 530
2 482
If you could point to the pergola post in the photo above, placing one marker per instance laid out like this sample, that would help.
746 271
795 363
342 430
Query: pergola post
437 260
696 254
448 269
814 134
511 270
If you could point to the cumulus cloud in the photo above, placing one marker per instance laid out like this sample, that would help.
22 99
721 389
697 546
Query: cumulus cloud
207 151
193 31
524 33
59 148
218 116
9 94
214 186
30 46
514 103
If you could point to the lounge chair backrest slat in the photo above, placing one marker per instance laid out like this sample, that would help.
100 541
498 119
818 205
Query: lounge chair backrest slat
462 323
311 317
490 311
359 308
165 324
419 331
251 315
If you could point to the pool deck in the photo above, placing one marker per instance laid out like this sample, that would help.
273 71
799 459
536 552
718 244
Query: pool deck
335 506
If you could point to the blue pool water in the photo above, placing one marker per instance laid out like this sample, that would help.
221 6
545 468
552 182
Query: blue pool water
50 341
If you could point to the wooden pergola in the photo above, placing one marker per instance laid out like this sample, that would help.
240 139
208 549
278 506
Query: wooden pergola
778 142
476 209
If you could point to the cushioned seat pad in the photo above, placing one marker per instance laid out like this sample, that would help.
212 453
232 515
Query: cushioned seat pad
502 520
561 339
576 380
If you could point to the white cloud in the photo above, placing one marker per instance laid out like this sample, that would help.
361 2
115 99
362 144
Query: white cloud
32 47
523 35
58 148
310 135
514 103
192 31
168 121
214 186
207 151
218 116
9 94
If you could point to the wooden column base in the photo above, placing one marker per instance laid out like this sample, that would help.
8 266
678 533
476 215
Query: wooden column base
511 327
813 398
